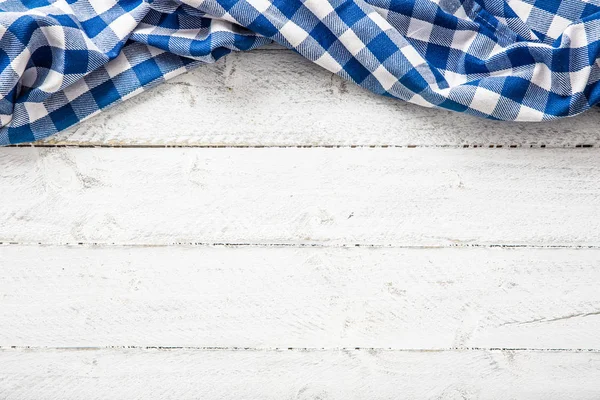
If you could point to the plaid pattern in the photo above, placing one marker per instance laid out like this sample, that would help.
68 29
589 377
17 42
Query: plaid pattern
62 61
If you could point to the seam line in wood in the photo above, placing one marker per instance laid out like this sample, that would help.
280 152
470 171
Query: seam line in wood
242 146
302 245
298 349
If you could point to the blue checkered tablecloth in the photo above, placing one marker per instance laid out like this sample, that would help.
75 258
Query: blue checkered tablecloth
62 61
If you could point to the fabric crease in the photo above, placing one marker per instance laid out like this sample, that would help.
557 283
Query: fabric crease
62 61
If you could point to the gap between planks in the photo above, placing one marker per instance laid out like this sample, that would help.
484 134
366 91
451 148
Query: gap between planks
381 146
302 245
302 349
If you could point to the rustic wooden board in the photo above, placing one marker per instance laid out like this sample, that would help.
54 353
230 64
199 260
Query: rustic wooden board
319 196
296 374
483 263
278 98
263 297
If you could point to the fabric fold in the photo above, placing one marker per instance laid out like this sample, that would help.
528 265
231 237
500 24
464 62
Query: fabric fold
62 61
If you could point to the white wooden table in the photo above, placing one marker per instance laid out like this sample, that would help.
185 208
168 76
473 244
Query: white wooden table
260 229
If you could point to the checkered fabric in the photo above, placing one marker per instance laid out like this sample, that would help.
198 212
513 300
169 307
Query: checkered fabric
62 61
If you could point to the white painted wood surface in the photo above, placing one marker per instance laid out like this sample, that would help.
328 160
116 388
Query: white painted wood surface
130 374
457 273
278 98
259 297
343 196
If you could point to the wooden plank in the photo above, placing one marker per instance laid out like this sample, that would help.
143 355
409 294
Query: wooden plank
295 374
299 297
393 196
278 98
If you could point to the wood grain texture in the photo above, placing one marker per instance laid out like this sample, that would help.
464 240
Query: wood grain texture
265 297
333 374
278 98
346 257
388 197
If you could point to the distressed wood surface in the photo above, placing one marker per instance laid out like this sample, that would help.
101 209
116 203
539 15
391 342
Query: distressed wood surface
295 374
388 197
484 262
278 98
263 297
